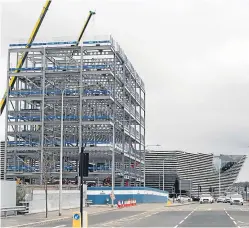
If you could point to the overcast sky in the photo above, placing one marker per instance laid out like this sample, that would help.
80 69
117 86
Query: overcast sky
193 56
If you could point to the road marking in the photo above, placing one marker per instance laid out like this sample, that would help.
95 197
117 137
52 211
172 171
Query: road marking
244 223
41 222
231 218
130 218
186 217
59 226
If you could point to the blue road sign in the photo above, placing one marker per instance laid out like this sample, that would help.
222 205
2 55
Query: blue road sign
76 216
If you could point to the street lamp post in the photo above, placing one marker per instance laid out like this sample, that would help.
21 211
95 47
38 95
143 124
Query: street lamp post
61 146
61 151
219 175
144 169
113 165
163 172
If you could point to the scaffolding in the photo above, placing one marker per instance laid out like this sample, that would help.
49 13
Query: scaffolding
101 92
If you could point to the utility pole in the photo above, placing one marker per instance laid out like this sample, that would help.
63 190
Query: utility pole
180 188
163 174
219 175
83 171
190 188
246 191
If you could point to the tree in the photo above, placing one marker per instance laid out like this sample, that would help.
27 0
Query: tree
46 172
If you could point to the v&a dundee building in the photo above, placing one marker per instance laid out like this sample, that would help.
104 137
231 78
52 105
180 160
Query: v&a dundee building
195 173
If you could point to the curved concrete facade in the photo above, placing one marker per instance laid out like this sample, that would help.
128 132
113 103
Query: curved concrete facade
193 169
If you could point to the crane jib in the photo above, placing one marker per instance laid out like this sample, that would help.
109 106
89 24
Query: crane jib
30 40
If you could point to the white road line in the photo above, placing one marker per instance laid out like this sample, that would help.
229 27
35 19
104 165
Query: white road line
59 226
186 217
231 218
128 219
244 223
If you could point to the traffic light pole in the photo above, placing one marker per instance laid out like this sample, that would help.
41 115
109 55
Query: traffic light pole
246 192
81 174
81 185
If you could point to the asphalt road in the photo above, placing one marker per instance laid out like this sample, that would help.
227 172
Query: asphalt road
195 215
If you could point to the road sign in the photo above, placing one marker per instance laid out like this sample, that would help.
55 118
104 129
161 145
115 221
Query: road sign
76 216
76 219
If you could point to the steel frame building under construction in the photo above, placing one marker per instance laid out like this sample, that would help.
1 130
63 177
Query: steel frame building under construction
103 108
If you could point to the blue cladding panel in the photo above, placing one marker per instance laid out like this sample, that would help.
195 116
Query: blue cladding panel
96 42
102 199
42 44
86 67
72 117
59 43
151 196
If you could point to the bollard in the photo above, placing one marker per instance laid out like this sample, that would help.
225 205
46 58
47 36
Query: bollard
76 219
119 204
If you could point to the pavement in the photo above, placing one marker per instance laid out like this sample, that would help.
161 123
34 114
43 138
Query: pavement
53 216
157 215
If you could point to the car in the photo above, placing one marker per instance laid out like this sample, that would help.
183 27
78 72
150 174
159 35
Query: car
221 199
206 198
195 198
183 198
236 199
227 199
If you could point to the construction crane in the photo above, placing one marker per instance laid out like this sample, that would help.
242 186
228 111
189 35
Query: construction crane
91 13
25 54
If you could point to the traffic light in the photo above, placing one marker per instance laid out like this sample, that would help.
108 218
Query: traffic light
210 189
84 163
200 188
245 188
